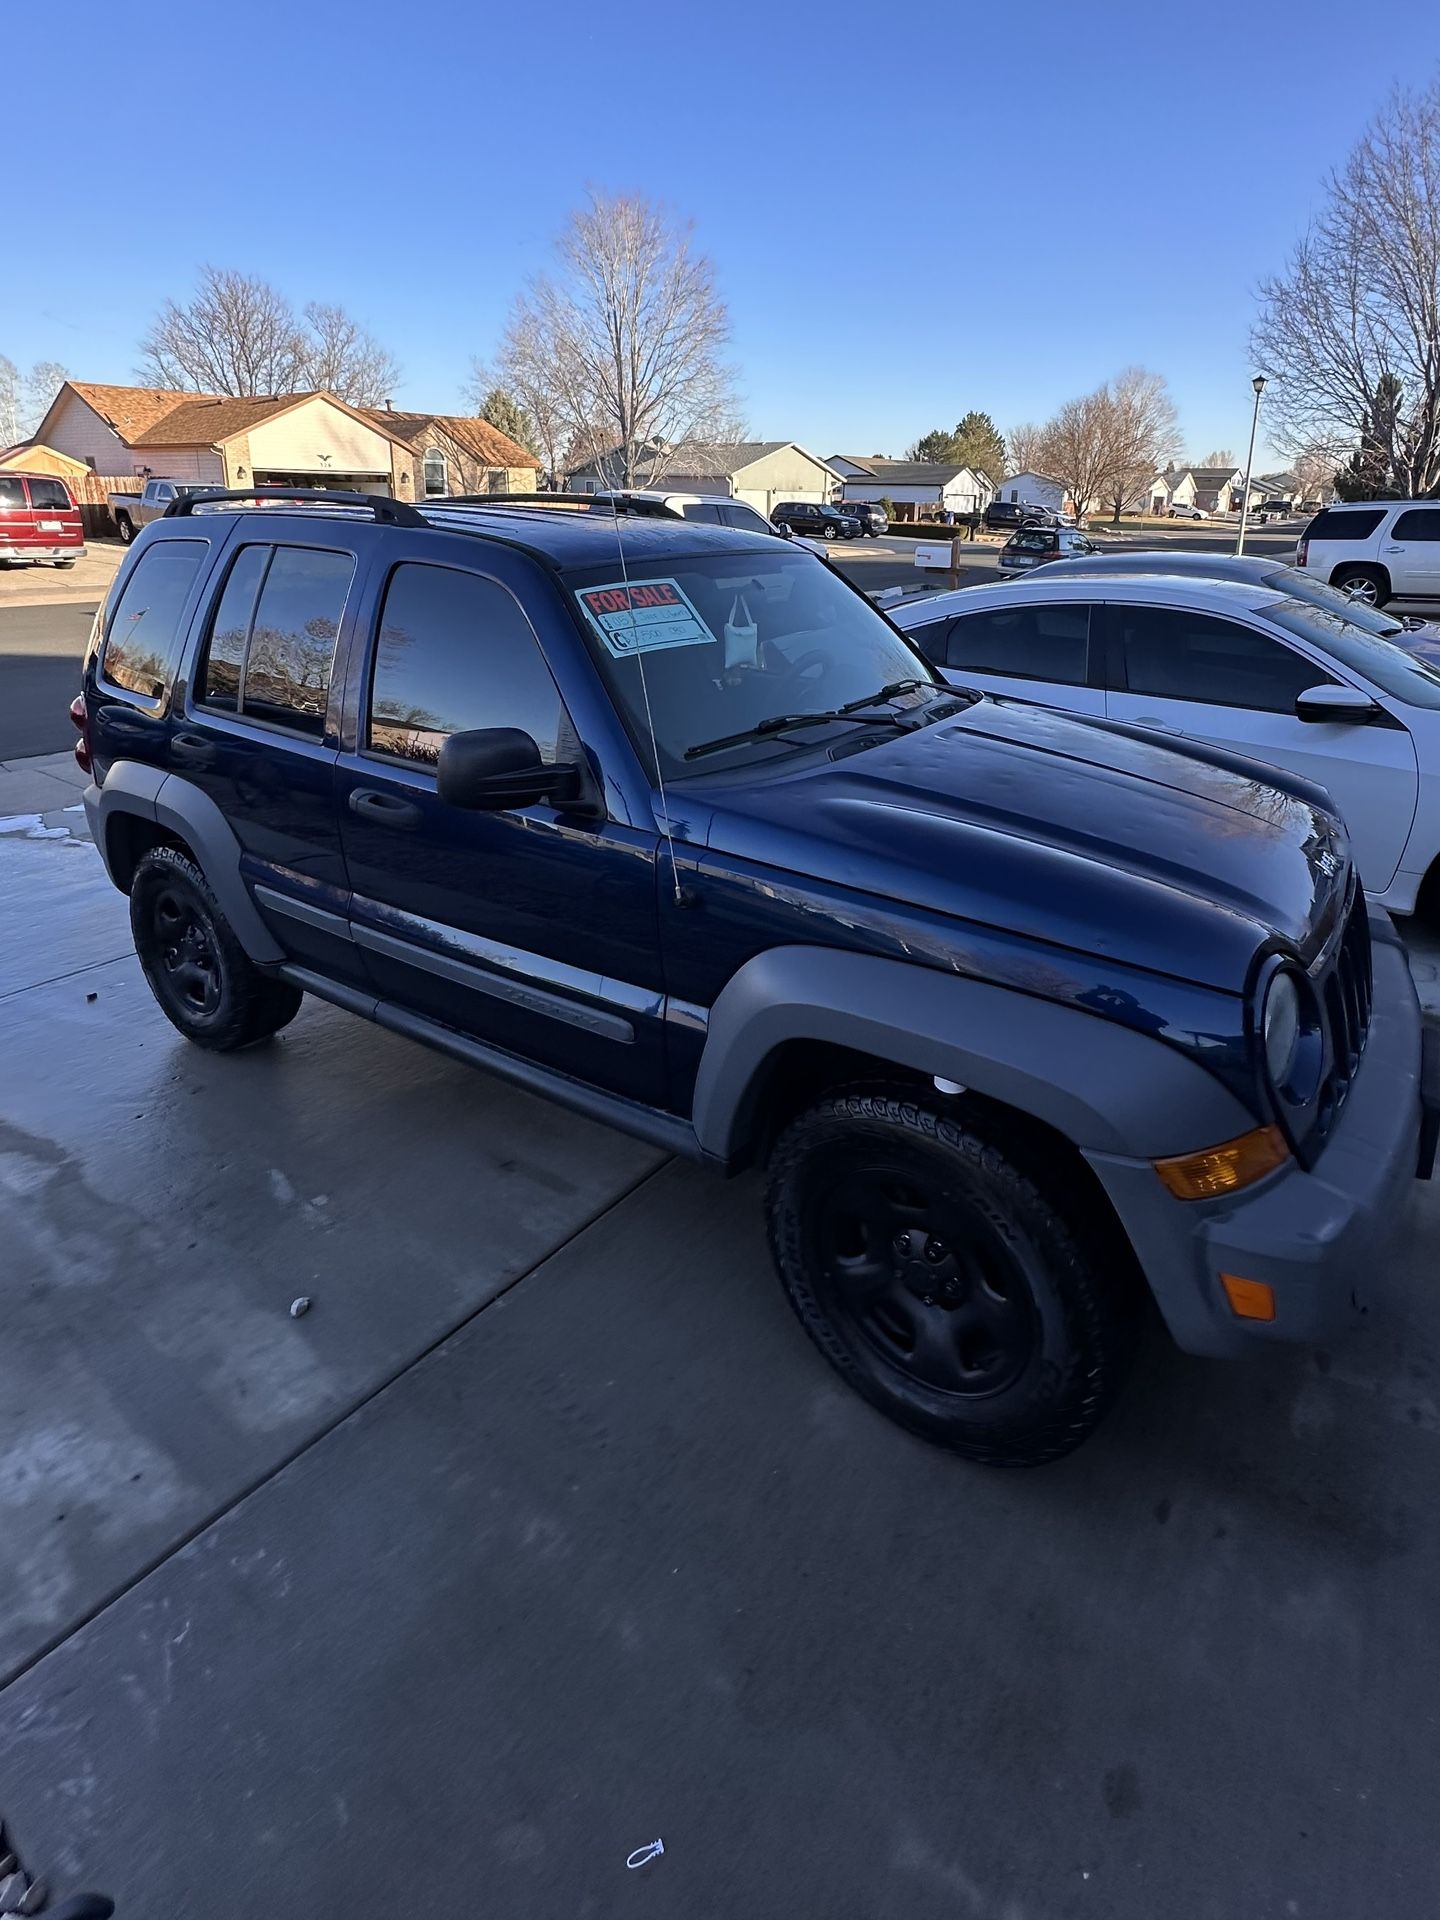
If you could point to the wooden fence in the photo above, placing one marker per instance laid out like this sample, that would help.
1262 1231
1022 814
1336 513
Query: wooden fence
90 490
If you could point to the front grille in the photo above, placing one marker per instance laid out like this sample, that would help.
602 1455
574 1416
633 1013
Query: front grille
1344 983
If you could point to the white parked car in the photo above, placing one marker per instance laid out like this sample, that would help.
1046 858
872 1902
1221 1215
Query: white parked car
1377 550
1188 513
1238 666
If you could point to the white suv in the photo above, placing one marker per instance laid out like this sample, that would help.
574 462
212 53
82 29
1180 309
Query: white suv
1232 665
1377 550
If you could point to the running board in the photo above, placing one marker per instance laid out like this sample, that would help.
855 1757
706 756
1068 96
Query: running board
664 1130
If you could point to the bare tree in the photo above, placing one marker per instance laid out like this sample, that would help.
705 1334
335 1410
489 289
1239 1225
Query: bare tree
42 383
1143 431
621 344
9 401
241 335
1314 470
1219 457
1026 448
340 356
1357 305
237 335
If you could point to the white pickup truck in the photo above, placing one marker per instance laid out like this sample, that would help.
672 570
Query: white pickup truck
135 510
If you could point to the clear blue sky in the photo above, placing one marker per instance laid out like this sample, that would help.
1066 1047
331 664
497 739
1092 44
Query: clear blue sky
1032 196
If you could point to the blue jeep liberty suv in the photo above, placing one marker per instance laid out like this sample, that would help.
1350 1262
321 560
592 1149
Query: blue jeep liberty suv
1024 1016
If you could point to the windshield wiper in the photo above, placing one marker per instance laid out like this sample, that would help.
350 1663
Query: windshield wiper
852 710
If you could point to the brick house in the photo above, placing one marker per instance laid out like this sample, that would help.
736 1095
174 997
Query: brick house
455 453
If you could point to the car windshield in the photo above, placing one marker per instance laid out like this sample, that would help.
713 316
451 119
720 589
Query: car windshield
1380 661
730 640
1318 593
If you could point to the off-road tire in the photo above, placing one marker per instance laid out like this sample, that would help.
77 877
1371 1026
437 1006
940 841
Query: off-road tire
209 989
1082 1305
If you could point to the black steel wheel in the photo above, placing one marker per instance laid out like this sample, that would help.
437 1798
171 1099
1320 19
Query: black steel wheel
206 984
940 1282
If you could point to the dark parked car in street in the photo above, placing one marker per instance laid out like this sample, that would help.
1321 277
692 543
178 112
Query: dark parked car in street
819 521
1022 1016
871 515
1003 516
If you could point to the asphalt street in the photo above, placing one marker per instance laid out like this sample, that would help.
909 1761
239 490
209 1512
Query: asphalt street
545 1533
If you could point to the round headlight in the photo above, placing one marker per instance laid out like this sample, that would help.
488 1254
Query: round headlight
1281 1027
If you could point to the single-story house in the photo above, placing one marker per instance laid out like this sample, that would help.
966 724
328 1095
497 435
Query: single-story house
1036 490
293 439
1179 487
760 472
914 488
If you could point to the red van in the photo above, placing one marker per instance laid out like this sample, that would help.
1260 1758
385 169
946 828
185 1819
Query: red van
39 520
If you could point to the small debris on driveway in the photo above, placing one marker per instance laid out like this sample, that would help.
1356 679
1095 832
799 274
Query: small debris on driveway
92 996
299 1306
13 1890
642 1856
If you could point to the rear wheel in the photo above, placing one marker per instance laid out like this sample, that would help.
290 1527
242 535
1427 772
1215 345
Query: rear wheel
206 984
63 566
126 527
1369 585
940 1283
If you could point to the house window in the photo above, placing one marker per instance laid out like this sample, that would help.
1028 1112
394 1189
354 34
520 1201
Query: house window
498 478
437 479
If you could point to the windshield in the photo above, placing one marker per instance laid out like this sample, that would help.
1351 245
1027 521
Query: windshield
1387 666
730 640
1318 593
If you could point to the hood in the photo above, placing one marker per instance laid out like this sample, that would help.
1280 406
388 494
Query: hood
1075 832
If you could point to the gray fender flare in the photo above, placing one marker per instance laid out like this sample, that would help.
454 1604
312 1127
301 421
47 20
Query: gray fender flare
178 804
1105 1087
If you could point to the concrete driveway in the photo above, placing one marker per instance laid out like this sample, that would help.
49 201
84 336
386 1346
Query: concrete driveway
545 1533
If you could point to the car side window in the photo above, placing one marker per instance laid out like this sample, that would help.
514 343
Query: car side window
701 510
1174 654
12 491
1050 642
272 642
143 633
1419 523
745 518
456 652
49 493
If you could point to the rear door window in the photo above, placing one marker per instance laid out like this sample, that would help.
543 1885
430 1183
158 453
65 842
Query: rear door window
12 493
1420 523
746 518
144 632
49 493
272 642
701 510
1049 642
1345 523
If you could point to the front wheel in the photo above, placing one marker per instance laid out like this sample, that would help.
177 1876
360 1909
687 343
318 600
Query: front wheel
829 532
206 984
940 1283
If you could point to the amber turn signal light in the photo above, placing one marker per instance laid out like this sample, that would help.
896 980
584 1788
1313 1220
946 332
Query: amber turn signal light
1249 1299
1224 1169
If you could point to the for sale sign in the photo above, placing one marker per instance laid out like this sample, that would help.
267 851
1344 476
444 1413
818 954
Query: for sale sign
643 616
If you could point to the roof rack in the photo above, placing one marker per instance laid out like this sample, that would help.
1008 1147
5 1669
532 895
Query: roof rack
608 503
394 513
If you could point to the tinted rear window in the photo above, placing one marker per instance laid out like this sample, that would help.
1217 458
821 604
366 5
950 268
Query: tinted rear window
144 633
1337 523
12 491
49 493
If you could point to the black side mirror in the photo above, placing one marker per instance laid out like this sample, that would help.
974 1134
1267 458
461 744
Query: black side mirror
491 768
1332 705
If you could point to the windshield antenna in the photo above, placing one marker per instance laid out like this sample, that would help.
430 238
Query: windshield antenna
666 833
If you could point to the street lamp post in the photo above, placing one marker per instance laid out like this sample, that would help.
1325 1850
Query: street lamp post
1258 383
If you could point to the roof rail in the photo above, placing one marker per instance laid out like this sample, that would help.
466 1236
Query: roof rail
606 503
394 513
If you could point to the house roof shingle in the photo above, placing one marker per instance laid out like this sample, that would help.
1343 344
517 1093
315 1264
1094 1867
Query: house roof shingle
913 473
485 444
205 420
1209 478
131 410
